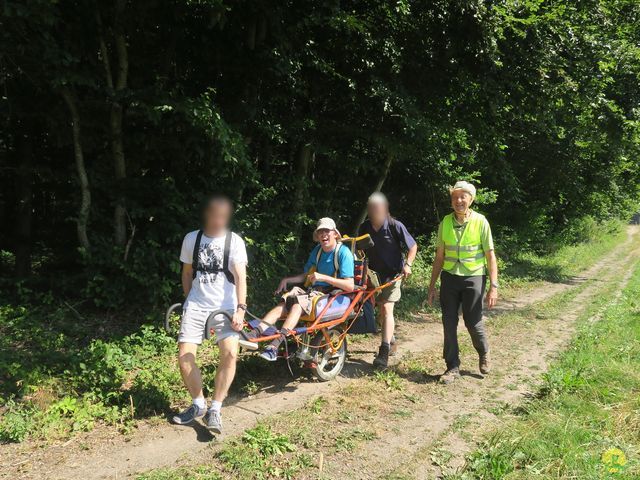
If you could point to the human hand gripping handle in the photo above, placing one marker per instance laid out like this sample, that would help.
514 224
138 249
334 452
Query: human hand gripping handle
406 271
237 322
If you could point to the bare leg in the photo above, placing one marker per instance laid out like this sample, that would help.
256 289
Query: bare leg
273 315
292 320
388 322
189 370
227 368
293 317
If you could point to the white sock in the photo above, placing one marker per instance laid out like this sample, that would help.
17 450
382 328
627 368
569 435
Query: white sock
199 402
215 406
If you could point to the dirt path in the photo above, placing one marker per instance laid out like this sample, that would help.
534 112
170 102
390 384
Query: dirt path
450 420
102 454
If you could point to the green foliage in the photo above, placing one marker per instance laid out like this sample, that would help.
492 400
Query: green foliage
260 454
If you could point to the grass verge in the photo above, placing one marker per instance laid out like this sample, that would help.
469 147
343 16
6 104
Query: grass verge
585 422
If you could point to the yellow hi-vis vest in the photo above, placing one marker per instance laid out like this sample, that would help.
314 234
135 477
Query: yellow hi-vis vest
468 250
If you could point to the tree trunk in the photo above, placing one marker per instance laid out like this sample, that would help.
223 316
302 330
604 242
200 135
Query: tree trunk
116 88
25 195
383 177
83 179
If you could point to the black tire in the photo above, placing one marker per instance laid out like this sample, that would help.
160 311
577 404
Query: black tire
212 315
169 320
328 364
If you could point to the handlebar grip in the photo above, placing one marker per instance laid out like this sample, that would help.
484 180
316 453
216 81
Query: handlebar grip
167 316
212 315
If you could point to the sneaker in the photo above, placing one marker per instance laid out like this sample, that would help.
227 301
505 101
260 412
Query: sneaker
270 354
450 376
246 340
189 415
213 421
484 364
382 360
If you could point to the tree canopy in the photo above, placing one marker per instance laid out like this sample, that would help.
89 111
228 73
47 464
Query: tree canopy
118 117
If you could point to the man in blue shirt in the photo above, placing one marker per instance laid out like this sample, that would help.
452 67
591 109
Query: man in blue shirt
320 272
391 240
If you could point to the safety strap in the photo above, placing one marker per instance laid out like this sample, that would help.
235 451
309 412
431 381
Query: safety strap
225 258
196 250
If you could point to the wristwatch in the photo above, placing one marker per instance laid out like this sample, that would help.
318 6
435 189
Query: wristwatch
242 306
494 285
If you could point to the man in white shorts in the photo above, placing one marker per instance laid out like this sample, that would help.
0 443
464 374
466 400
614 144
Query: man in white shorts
214 262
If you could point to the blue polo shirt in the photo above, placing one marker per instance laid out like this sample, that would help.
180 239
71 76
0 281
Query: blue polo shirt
326 265
386 256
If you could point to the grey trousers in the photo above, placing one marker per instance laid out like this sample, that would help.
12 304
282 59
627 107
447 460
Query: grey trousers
456 290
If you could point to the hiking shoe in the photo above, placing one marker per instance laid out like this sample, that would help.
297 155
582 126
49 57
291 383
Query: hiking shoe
189 415
393 347
213 421
270 354
450 376
484 364
382 360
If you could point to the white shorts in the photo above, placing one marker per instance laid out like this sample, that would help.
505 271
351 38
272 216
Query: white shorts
194 322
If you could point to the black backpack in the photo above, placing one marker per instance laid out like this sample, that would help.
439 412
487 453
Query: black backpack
225 259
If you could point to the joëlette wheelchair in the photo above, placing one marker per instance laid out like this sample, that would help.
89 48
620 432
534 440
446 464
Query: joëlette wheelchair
319 341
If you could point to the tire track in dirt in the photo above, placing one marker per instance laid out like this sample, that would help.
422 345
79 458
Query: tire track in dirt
101 454
411 447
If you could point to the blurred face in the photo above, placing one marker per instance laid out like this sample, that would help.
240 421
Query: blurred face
327 238
217 215
460 201
378 211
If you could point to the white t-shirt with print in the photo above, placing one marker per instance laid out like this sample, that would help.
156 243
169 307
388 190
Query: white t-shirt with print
212 291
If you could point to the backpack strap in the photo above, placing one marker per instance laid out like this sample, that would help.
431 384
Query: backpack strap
336 260
318 254
196 251
225 259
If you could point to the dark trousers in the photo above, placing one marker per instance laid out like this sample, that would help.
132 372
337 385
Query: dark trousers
456 290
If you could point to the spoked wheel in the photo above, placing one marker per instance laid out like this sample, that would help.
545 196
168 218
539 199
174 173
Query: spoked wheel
172 319
329 362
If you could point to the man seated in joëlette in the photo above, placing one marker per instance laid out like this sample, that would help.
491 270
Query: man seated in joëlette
321 272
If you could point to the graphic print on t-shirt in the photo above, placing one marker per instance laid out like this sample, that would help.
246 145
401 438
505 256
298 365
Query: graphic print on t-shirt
210 257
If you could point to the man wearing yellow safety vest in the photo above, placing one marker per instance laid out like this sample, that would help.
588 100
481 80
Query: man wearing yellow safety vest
464 257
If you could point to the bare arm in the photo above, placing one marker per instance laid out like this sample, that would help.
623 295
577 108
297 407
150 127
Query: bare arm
187 278
492 265
411 254
435 273
286 281
239 271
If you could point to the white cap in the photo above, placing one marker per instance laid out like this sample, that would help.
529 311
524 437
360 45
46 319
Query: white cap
465 187
325 223
377 197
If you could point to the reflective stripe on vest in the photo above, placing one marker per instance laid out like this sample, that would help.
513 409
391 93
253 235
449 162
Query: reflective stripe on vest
468 250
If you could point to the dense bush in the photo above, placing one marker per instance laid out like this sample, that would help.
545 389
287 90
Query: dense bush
298 110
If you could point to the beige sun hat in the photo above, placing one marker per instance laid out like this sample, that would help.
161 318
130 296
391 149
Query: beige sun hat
325 223
465 187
